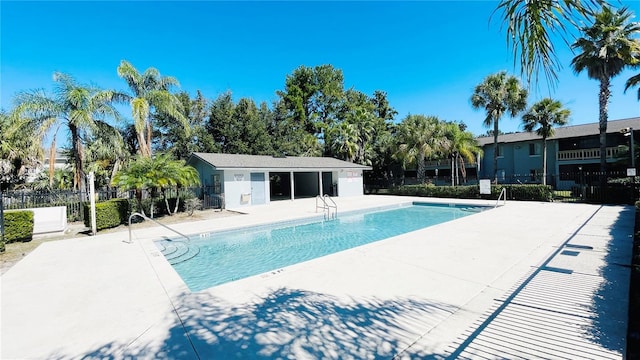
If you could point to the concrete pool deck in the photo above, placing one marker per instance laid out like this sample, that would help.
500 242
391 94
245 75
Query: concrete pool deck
525 280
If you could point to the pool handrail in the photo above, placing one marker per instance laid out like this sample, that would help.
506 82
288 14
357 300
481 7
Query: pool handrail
143 216
326 207
502 192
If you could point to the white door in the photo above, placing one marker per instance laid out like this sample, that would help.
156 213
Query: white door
257 189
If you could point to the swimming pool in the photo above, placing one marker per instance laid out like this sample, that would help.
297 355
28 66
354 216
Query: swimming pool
212 259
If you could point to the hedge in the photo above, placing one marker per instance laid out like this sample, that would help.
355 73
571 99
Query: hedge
18 226
514 192
110 213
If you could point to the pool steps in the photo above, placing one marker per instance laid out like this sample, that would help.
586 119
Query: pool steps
176 251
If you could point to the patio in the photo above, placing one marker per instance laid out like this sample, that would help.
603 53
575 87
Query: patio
524 280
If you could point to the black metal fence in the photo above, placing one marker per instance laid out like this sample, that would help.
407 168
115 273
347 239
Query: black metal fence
75 200
582 186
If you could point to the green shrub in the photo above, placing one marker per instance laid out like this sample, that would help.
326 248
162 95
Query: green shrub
514 192
528 192
18 226
110 213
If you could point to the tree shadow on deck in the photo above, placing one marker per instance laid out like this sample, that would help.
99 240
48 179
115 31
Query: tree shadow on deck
286 324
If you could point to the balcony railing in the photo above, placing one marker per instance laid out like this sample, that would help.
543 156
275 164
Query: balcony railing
586 154
446 164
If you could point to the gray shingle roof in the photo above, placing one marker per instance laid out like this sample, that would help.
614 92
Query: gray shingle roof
235 161
564 132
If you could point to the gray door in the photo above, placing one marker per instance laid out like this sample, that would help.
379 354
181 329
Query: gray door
257 189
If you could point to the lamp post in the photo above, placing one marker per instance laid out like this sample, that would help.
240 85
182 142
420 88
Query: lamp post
633 156
629 132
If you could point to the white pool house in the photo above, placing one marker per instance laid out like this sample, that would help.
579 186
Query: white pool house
246 180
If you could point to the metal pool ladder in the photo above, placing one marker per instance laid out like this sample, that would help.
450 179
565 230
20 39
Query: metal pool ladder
502 192
150 219
327 205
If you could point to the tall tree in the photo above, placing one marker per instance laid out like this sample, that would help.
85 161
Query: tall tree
297 95
288 135
607 48
105 152
172 136
381 106
541 118
253 138
310 146
201 140
419 137
313 97
382 139
530 25
240 128
461 145
498 94
220 123
75 106
19 148
150 93
351 135
327 100
634 80
344 140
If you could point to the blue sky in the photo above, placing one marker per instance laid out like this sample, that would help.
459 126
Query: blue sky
428 56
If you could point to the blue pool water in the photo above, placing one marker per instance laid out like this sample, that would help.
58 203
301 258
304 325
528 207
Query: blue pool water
217 258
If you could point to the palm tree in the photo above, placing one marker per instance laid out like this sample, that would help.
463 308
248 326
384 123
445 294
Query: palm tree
530 25
542 117
136 176
78 107
62 179
607 48
159 172
461 146
18 148
168 173
106 150
344 140
310 145
419 137
498 94
351 138
150 92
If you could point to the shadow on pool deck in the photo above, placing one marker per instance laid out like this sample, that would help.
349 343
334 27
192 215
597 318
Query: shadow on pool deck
611 312
574 310
329 318
285 324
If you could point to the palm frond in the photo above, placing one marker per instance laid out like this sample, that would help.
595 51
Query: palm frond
633 81
529 25
132 77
